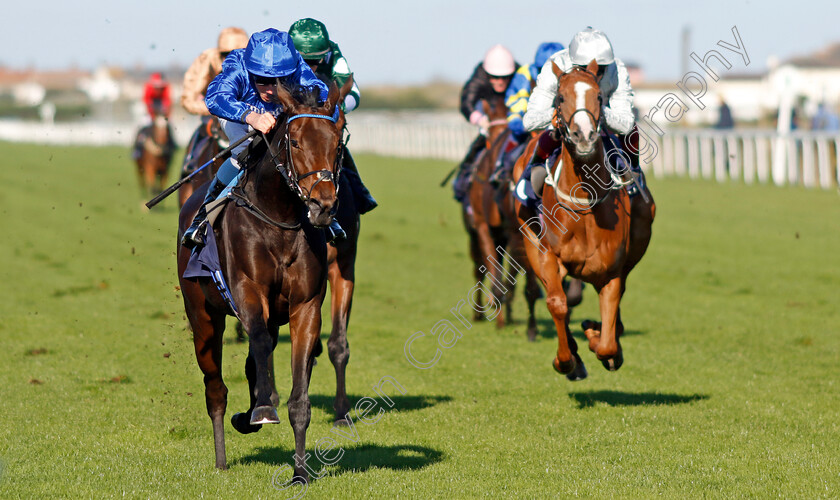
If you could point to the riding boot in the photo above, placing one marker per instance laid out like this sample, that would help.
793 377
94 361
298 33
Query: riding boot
364 201
461 184
194 235
546 144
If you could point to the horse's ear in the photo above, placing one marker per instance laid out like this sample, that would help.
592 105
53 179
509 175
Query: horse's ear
334 96
592 67
556 70
347 87
284 97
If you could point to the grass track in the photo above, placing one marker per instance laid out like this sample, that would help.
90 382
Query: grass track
729 387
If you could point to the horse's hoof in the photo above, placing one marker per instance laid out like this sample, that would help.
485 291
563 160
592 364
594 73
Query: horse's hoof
264 415
613 363
341 422
239 421
532 334
564 368
579 372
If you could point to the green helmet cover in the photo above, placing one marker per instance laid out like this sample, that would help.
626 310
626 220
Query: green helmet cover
310 38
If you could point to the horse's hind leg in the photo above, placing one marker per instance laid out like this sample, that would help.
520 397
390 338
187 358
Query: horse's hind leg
341 286
532 293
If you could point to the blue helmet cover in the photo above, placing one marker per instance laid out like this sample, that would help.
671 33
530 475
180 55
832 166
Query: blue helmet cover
271 53
544 51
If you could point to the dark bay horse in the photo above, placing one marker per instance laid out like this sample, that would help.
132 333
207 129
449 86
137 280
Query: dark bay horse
212 140
154 159
591 228
490 221
274 259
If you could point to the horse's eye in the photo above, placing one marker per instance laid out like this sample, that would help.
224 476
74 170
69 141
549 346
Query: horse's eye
560 99
294 143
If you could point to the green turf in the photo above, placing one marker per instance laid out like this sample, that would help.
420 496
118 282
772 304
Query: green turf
729 387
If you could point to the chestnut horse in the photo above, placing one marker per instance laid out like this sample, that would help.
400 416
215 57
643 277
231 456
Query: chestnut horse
274 260
590 227
153 163
213 140
490 222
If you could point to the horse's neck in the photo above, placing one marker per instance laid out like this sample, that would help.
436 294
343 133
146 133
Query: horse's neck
267 189
494 145
160 131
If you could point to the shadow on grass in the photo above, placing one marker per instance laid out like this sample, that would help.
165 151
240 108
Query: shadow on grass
545 327
357 459
401 402
620 398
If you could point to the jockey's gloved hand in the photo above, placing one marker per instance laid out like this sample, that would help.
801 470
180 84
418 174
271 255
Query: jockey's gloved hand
480 119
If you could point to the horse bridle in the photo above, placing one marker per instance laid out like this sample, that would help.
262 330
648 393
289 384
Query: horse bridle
558 100
287 168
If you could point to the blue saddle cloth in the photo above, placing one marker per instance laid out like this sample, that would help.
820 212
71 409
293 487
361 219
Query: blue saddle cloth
204 263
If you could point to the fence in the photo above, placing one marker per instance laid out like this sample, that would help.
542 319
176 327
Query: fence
808 158
799 158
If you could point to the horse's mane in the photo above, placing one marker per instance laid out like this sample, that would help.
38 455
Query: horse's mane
307 96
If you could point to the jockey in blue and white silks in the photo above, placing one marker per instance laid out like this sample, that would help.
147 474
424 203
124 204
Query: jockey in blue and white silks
240 96
517 94
516 100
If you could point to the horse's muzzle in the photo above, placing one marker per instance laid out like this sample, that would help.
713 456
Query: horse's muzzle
320 213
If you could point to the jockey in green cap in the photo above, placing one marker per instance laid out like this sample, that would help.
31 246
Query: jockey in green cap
323 56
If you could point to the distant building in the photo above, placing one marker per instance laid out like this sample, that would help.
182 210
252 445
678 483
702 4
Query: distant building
806 80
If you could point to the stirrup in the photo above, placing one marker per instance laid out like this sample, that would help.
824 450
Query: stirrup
334 232
194 235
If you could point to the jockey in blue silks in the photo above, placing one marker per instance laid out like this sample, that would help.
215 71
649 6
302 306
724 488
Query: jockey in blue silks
241 97
516 100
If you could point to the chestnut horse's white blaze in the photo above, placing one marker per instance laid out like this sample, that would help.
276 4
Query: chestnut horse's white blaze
582 119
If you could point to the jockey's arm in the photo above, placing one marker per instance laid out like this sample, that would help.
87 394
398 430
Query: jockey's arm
469 95
541 103
341 72
618 113
516 100
166 101
226 90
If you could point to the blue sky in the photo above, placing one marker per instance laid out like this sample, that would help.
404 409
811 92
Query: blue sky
410 42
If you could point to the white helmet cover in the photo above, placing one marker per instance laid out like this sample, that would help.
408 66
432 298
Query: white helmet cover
498 61
591 44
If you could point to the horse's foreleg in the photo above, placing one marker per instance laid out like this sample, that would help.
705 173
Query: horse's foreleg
338 346
475 254
486 252
305 327
608 348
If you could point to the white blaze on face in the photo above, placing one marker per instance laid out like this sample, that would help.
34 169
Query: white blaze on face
582 119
